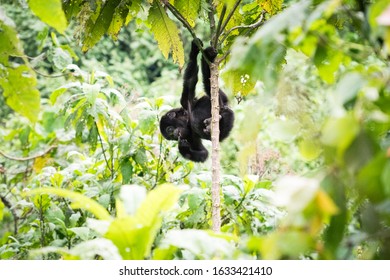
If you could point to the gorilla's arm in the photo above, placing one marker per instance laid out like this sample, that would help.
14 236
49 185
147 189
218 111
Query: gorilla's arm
190 79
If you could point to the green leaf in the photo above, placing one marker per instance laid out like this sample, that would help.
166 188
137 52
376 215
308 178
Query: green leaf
385 177
371 176
340 132
126 170
71 7
20 91
334 233
166 33
50 12
10 44
328 62
189 9
240 83
271 6
61 58
99 23
82 232
79 201
147 123
134 235
348 87
309 149
160 199
2 206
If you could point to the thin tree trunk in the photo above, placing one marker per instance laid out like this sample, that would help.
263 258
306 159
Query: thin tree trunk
215 165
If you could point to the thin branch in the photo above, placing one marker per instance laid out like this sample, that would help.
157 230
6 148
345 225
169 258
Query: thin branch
30 157
230 15
250 26
103 150
36 71
13 212
48 76
211 17
218 31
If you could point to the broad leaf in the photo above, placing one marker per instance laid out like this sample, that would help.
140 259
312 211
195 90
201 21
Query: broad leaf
189 9
20 91
10 44
50 12
99 23
166 33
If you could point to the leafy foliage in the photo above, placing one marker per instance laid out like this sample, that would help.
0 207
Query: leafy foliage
85 174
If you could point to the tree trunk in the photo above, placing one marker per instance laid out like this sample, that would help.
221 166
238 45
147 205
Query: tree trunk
215 165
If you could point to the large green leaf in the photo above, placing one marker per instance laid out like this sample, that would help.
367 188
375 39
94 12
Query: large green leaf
340 132
99 23
189 9
134 235
166 33
240 83
10 44
20 91
50 12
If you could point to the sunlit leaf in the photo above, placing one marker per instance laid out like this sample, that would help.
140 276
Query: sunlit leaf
239 83
1 210
340 132
166 33
10 44
99 23
50 12
19 85
189 9
309 149
272 6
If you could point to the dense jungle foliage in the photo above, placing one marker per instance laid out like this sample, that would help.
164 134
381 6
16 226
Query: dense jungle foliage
86 174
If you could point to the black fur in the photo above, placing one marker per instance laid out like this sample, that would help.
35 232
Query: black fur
191 123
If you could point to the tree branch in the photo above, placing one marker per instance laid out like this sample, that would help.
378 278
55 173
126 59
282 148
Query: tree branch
111 168
218 30
211 18
215 146
230 15
250 26
30 157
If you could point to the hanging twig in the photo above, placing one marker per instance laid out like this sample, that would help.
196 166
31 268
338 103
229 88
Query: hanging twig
30 157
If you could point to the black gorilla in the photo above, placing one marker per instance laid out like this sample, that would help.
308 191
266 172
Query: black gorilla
191 123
